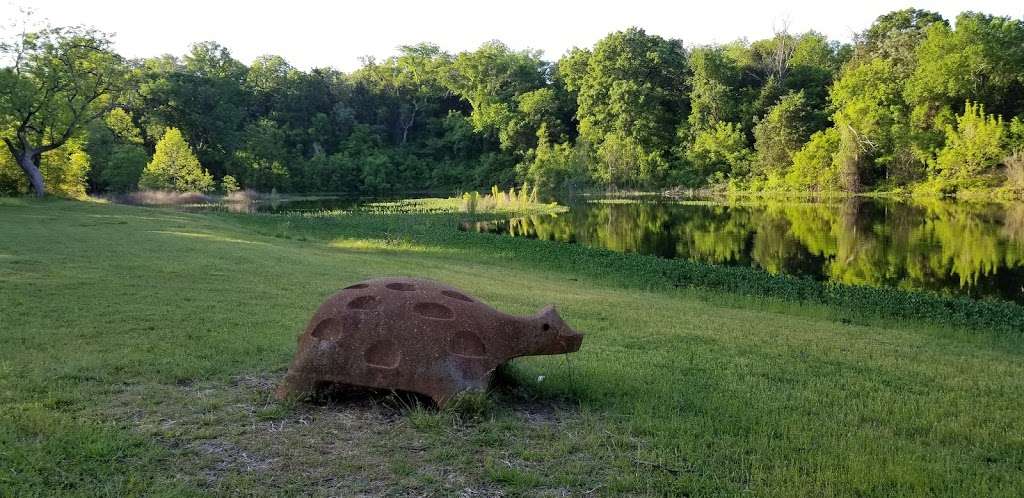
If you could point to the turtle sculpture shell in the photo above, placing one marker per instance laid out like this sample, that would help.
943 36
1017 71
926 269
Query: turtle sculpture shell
416 335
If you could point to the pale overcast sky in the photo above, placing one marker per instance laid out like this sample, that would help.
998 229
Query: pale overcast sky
337 33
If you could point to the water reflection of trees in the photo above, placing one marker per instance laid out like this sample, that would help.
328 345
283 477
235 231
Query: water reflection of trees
718 236
933 244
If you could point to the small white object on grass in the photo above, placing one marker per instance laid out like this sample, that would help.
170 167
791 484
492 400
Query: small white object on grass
540 378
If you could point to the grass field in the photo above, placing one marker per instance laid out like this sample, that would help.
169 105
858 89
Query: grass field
139 348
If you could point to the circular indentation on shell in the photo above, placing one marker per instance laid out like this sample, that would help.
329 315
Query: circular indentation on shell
434 310
457 295
545 327
383 354
357 286
364 303
401 286
466 343
328 329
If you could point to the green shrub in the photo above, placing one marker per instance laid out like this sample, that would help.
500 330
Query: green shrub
123 168
973 150
175 167
623 161
814 166
556 167
229 185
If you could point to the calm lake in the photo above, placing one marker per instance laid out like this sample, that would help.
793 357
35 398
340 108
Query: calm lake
960 248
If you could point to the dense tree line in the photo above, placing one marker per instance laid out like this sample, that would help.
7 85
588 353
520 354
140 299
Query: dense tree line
912 103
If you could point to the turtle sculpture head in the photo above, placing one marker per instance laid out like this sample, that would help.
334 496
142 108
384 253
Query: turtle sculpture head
547 333
419 336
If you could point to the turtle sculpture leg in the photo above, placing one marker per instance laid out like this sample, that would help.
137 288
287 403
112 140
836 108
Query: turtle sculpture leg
470 375
297 385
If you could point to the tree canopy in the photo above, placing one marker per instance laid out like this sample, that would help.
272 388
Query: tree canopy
912 99
58 80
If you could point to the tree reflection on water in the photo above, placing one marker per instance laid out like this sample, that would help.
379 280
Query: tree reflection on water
955 247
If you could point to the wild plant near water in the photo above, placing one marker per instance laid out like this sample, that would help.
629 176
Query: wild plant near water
522 200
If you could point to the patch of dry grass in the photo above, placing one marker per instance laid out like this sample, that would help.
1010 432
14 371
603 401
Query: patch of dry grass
163 198
232 436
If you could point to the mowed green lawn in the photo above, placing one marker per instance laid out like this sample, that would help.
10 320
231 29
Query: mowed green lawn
139 348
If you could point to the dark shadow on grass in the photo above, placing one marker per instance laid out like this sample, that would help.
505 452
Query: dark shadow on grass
507 394
340 396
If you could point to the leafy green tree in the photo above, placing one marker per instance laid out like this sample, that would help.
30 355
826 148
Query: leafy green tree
790 111
632 96
876 143
573 68
413 82
870 115
541 111
713 94
328 173
506 89
895 37
116 166
780 134
981 60
175 167
722 150
203 95
269 80
116 151
813 67
1015 133
60 79
304 105
1014 160
261 157
767 70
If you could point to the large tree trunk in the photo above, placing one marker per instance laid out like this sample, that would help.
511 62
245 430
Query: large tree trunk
29 162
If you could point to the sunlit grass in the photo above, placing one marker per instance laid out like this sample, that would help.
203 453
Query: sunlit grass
387 245
139 361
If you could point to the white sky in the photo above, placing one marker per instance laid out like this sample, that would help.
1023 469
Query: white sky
336 33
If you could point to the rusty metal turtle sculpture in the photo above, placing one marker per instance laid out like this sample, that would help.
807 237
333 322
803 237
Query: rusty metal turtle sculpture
419 336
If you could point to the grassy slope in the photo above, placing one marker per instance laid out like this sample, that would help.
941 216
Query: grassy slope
140 346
